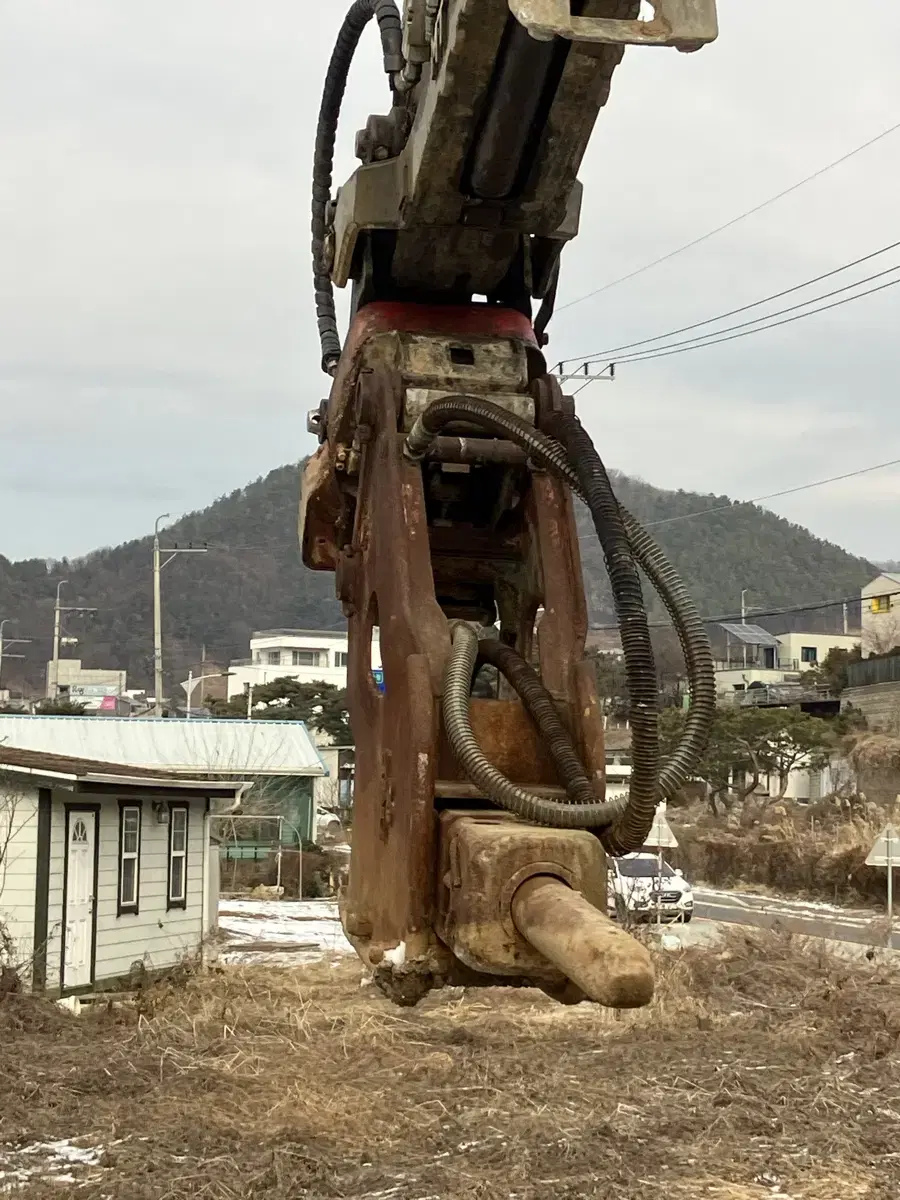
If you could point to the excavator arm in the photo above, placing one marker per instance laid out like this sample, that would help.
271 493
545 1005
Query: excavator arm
442 497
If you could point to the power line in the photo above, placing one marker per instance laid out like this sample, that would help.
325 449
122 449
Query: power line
802 487
779 312
734 220
819 606
663 352
606 354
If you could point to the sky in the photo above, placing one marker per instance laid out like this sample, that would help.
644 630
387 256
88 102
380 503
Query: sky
157 336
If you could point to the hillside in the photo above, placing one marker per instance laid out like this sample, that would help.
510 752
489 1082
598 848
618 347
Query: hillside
252 577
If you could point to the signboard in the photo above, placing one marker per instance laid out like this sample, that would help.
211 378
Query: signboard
93 689
884 854
661 836
378 676
886 850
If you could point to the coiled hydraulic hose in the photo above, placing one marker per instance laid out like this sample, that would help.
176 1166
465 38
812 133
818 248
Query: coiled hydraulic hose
540 707
457 683
358 16
630 830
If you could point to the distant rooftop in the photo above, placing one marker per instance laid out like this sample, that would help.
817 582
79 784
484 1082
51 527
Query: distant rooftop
751 635
339 634
333 634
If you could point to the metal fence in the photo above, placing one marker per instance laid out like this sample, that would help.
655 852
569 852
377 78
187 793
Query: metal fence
874 670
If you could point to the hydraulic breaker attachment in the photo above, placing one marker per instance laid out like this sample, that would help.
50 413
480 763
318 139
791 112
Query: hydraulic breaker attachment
442 497
443 885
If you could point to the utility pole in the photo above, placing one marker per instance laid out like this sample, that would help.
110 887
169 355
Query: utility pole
11 642
744 592
58 610
158 565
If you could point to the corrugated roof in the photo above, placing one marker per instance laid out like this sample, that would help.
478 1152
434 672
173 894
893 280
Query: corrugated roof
82 768
196 747
752 635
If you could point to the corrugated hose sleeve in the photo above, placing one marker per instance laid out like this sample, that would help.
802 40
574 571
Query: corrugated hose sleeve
358 16
485 776
630 831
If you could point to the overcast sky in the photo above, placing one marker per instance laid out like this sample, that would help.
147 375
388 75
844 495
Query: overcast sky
157 338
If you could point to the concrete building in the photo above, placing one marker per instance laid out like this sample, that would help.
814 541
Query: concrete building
311 656
805 651
107 868
880 604
87 685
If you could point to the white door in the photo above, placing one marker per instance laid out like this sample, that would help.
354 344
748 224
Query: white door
79 915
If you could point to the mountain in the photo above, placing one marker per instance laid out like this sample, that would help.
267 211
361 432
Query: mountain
251 578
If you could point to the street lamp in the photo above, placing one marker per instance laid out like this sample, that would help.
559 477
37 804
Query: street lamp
192 682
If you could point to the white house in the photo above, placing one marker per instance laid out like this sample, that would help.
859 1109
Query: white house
880 602
307 655
104 868
280 751
753 656
805 651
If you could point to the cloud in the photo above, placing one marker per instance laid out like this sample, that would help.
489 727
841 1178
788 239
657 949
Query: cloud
157 337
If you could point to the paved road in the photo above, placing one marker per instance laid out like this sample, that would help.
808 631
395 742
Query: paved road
858 925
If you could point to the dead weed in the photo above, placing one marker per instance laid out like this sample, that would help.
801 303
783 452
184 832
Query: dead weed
764 1069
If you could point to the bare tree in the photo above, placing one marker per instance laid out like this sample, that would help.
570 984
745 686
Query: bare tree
881 634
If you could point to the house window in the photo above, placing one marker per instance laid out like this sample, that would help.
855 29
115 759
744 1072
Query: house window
273 658
178 839
341 658
809 654
306 658
129 856
881 604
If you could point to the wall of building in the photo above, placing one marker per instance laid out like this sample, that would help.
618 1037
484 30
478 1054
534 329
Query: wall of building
280 653
728 680
18 859
880 622
73 677
791 655
153 936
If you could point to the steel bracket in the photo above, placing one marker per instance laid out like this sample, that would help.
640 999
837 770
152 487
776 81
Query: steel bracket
685 24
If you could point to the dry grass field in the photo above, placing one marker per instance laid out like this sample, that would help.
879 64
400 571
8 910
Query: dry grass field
764 1068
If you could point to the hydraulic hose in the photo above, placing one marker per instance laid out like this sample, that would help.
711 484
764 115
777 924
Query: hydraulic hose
455 704
358 16
631 615
540 707
630 831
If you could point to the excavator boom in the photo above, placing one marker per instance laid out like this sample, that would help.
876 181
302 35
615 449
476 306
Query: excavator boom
443 495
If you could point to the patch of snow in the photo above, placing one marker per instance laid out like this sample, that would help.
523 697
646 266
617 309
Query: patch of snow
396 955
760 899
312 923
51 1161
